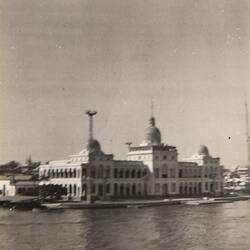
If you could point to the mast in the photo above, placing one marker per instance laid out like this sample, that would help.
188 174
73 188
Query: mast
247 133
91 113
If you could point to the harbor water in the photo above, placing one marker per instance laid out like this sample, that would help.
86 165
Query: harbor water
222 226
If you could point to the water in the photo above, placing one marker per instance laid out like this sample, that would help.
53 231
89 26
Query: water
224 226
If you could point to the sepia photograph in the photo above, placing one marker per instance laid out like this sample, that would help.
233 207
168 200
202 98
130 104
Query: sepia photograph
124 125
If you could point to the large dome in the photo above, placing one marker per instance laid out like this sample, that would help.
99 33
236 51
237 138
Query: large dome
153 134
93 146
203 150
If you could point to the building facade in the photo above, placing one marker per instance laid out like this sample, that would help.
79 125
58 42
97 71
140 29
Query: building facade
18 184
152 169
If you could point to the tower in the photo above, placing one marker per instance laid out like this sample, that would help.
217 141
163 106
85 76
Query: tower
247 134
91 113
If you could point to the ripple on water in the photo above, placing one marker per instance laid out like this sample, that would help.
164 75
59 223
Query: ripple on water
224 226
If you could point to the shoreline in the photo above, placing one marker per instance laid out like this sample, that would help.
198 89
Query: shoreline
29 203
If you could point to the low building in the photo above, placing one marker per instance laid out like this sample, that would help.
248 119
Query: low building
236 179
12 185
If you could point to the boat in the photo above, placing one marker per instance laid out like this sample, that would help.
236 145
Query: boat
53 206
208 202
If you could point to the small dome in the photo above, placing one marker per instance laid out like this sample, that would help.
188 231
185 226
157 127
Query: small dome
153 134
93 146
203 150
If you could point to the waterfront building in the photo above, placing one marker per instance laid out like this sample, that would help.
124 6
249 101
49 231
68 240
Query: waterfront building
206 175
152 169
18 184
237 179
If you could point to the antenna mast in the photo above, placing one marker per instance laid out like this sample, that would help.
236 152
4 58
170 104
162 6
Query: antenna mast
152 108
247 133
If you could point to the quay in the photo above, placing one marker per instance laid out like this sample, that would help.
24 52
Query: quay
29 203
138 204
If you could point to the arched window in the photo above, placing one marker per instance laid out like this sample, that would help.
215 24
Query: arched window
195 188
195 173
84 172
133 174
107 172
121 190
181 188
164 171
115 173
139 189
206 172
180 173
92 172
127 174
139 174
127 189
190 188
70 173
133 189
61 173
199 173
100 172
115 189
70 189
74 173
199 188
121 173
185 188
66 173
74 189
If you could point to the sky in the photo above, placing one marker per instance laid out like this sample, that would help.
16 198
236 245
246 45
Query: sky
59 58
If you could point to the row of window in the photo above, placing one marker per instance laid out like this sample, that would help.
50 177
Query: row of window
164 188
99 172
165 173
196 174
123 189
62 173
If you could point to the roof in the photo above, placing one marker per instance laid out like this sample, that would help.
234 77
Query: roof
3 177
26 183
20 177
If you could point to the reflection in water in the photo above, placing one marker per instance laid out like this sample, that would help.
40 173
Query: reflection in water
171 227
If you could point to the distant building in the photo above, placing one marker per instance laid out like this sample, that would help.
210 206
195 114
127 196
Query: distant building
18 185
236 179
207 169
151 170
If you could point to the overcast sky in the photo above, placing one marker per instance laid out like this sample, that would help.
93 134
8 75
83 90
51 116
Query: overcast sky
61 57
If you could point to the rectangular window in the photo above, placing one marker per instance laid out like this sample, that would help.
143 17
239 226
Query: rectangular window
173 187
164 171
107 188
156 172
172 172
107 172
93 189
157 188
84 172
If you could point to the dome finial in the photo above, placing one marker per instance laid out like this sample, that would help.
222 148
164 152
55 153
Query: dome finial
152 121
